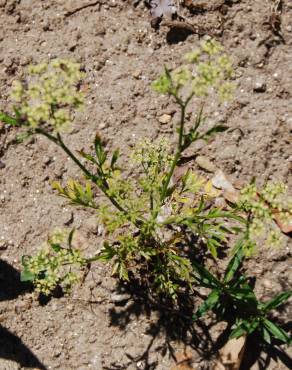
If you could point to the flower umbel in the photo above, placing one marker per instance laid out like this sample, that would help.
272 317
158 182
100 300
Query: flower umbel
49 95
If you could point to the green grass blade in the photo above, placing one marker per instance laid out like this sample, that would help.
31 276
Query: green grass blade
208 305
266 335
277 301
277 332
234 265
205 276
238 331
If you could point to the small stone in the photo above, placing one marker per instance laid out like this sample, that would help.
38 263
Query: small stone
219 181
102 125
205 163
140 365
59 171
2 165
70 307
46 160
3 245
72 46
231 196
99 30
267 284
57 353
165 118
137 74
91 224
120 298
228 152
8 61
23 306
260 86
288 123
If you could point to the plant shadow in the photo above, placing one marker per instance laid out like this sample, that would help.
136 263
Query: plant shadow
174 322
11 347
177 34
10 285
261 354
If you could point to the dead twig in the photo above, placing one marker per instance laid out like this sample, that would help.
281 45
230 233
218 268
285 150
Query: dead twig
81 7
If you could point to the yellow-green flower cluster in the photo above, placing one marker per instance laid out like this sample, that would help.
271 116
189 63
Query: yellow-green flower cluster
261 205
50 94
149 155
275 195
208 68
154 159
54 266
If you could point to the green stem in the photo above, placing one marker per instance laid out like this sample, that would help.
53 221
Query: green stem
59 141
75 160
178 151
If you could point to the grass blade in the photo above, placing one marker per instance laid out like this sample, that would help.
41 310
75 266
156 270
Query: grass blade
233 265
205 277
208 305
277 332
277 301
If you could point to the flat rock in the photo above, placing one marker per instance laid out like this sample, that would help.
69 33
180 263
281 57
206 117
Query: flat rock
205 163
164 119
219 181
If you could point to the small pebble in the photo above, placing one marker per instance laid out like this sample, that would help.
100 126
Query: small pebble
23 306
137 74
46 160
102 125
3 245
219 181
259 86
91 224
267 284
164 119
205 163
120 298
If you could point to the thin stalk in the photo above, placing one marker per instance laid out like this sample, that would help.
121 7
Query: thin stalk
178 151
58 141
75 159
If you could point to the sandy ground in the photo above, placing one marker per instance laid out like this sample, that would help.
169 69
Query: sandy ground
100 327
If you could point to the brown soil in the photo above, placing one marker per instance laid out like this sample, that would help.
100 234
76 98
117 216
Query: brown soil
102 326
